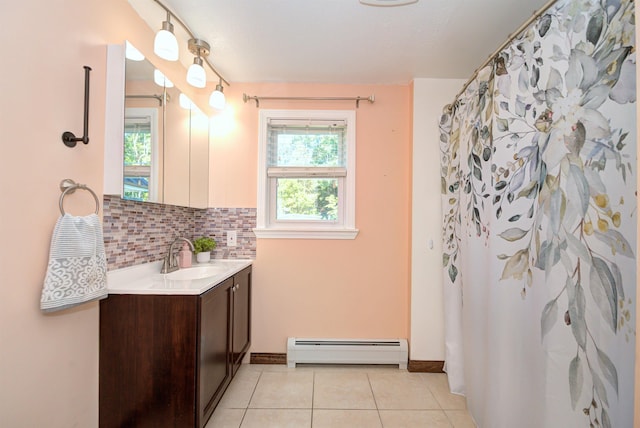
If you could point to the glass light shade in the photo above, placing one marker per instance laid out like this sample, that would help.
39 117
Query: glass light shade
217 99
185 102
165 45
130 52
196 75
161 80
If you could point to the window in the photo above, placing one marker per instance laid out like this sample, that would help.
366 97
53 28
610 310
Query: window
140 154
306 174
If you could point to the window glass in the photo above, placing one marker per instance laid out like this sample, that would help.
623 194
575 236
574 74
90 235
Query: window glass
307 174
138 156
307 147
307 199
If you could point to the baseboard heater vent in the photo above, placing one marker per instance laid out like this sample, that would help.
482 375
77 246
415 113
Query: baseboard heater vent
347 351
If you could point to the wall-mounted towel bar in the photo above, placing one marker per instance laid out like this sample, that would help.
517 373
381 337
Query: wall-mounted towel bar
68 138
257 99
68 186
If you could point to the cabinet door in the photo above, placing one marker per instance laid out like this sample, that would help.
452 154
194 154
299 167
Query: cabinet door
241 317
148 361
215 342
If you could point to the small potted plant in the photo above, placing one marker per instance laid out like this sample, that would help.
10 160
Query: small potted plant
203 247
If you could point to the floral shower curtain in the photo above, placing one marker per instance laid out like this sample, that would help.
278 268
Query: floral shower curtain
539 224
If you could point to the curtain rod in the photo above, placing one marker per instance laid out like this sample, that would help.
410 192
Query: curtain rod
257 99
188 30
157 97
511 37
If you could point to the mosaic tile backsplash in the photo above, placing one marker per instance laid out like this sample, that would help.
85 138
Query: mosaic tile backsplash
141 232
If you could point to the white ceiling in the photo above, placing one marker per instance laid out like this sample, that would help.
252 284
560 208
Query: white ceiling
343 41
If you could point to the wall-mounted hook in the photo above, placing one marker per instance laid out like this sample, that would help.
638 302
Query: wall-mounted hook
68 138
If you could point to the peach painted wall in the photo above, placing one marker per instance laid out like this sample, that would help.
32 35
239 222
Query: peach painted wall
49 363
327 288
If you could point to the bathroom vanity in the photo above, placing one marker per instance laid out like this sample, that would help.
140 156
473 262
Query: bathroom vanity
170 345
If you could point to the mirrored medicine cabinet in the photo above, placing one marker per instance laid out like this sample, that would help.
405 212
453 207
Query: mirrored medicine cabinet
156 150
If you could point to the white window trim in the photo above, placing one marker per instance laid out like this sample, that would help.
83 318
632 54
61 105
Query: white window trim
307 231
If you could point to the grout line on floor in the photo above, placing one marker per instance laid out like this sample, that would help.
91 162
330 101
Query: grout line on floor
372 393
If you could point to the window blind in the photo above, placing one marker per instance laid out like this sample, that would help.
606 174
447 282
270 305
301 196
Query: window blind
306 143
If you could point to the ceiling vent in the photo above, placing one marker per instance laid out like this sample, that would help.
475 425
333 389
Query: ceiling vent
387 3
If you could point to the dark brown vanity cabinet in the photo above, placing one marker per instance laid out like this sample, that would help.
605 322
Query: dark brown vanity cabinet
166 360
241 337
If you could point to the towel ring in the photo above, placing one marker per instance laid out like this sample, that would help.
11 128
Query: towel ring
69 186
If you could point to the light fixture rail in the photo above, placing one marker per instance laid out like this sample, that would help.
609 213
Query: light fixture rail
257 99
188 30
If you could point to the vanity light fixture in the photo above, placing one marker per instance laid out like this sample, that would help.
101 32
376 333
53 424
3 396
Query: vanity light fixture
217 99
161 80
196 75
165 45
185 102
130 52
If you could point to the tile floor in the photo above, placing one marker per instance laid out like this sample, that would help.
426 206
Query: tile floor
274 396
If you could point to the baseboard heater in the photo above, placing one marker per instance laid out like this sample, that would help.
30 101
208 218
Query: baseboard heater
347 351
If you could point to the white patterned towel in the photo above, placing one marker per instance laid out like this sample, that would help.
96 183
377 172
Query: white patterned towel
77 270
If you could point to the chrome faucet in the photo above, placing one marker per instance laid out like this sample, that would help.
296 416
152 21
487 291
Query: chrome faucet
170 263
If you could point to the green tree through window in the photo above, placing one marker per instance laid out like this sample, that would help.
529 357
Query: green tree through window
308 198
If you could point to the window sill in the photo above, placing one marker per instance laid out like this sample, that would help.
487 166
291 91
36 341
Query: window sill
263 233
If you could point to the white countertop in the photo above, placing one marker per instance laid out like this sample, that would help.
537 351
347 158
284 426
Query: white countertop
147 279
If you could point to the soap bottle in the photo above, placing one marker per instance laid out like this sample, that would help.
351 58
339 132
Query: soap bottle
184 256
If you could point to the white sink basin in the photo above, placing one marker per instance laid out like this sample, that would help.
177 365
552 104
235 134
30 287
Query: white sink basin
147 279
196 272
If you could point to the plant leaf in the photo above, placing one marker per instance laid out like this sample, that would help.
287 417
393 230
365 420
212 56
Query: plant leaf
554 80
617 276
503 124
611 65
529 189
548 256
594 29
604 419
445 259
486 154
477 173
544 24
580 191
513 234
608 369
453 273
616 241
517 179
604 291
578 247
517 265
577 303
576 380
549 317
599 387
554 211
